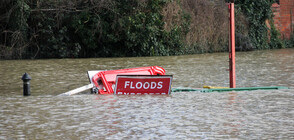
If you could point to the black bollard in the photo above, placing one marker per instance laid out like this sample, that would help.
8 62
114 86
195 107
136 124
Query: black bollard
26 84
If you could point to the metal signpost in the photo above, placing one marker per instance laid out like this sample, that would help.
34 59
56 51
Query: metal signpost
232 45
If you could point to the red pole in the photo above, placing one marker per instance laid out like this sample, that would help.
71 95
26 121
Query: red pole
232 45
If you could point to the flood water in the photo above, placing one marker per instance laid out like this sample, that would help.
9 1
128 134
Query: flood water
262 114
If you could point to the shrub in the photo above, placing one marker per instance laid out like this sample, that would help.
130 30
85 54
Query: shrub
13 28
209 26
257 13
115 28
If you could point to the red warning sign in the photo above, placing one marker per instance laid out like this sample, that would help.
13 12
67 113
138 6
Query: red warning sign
143 84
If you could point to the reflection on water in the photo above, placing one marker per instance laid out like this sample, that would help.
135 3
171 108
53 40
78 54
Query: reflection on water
230 115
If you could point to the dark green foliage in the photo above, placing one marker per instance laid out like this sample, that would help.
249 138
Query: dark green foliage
290 43
130 28
275 41
13 28
257 13
116 28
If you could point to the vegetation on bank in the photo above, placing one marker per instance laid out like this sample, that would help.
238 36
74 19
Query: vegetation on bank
115 28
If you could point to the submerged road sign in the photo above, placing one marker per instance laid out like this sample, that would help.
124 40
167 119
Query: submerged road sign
143 84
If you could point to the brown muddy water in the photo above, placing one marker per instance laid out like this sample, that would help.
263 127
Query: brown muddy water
187 115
